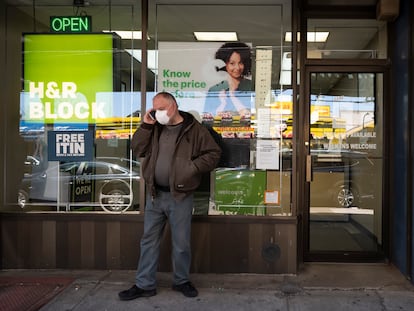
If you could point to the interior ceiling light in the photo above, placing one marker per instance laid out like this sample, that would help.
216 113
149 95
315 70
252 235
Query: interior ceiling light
312 36
215 36
125 34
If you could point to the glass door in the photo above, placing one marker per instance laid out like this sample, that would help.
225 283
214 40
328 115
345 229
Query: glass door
344 167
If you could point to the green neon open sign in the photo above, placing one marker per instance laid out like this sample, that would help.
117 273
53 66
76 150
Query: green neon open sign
70 24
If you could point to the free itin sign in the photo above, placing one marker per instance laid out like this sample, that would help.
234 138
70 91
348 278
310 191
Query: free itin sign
70 146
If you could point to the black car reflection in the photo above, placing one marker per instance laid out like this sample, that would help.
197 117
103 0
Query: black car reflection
111 185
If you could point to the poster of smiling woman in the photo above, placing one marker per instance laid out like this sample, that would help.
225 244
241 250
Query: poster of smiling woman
211 78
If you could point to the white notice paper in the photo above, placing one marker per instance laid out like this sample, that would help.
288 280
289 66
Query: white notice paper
267 154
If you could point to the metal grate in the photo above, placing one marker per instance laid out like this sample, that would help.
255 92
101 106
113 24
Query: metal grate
27 294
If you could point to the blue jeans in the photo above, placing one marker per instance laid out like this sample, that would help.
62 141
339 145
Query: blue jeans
178 214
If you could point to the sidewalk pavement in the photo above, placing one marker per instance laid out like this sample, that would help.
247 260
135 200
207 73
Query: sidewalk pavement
317 286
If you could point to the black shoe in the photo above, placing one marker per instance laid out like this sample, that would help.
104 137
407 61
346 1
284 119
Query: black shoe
187 289
136 292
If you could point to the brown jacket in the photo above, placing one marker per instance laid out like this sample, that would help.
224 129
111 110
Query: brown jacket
195 153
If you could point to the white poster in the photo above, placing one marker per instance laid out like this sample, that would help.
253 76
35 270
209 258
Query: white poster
198 74
267 154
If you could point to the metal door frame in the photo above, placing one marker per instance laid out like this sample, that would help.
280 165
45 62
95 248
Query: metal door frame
330 66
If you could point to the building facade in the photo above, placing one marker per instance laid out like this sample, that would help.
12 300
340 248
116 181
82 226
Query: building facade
315 130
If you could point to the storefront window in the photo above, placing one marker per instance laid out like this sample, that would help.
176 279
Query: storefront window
76 82
78 104
252 118
344 38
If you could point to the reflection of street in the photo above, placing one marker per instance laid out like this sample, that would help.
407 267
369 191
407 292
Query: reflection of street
338 210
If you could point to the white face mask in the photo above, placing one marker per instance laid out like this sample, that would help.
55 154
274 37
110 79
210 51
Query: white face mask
162 117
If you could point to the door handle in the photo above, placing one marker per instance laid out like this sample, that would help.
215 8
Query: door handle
309 168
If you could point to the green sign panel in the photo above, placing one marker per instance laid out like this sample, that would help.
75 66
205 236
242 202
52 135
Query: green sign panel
70 24
63 73
240 191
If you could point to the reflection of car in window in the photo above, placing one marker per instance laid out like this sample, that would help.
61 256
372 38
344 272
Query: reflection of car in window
123 162
86 184
245 118
340 178
226 117
207 118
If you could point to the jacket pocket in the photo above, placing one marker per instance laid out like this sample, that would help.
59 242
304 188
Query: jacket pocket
187 177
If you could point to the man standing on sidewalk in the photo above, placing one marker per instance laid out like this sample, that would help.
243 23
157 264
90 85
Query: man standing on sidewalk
177 151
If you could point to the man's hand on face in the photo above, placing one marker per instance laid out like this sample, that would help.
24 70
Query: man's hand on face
149 117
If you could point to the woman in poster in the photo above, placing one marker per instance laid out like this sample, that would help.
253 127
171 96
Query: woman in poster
233 93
